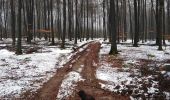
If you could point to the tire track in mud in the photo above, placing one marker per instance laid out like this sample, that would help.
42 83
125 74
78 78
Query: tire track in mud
89 58
91 84
50 89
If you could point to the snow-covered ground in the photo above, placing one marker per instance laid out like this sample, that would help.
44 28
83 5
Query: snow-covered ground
142 52
122 80
68 85
28 72
129 79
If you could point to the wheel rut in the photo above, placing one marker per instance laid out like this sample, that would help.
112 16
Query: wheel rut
88 61
50 89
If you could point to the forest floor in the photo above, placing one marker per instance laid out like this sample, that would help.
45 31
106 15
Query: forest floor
135 73
77 74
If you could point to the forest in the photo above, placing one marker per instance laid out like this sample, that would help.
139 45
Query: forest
85 49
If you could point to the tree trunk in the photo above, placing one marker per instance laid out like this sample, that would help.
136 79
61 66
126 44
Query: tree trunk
52 30
12 22
112 26
160 24
136 38
19 48
64 24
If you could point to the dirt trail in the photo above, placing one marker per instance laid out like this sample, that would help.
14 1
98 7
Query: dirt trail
91 84
50 89
89 58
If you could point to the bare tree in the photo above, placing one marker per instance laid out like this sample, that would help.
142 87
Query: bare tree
19 48
112 26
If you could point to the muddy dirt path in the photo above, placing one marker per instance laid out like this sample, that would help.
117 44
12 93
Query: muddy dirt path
89 59
91 84
50 89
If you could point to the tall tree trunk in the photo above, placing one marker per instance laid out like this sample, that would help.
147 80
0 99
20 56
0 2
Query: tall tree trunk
30 17
70 19
130 21
136 38
76 30
157 23
163 26
160 23
112 26
19 48
104 21
64 24
52 28
12 22
125 27
87 34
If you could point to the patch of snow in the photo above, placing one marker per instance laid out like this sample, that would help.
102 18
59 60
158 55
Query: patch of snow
83 42
152 90
105 48
68 85
163 72
94 63
168 73
167 94
118 80
113 77
112 74
80 69
81 49
3 45
142 52
6 41
28 71
131 62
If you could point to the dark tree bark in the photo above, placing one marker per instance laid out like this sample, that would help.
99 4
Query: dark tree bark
112 26
130 21
30 17
76 28
157 23
70 19
146 22
58 20
19 48
12 22
64 24
163 26
52 28
6 8
92 26
118 20
104 21
125 27
136 38
168 15
160 23
87 34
